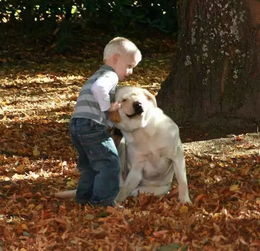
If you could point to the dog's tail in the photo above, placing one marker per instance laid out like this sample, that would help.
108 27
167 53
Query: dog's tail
68 194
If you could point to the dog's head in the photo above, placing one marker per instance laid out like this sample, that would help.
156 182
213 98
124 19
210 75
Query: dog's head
135 104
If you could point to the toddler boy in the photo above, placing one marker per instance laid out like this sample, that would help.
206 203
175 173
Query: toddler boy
98 160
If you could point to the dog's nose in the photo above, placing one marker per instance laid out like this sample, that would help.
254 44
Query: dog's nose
138 107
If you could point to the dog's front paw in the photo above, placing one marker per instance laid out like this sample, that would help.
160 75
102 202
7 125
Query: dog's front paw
122 195
185 199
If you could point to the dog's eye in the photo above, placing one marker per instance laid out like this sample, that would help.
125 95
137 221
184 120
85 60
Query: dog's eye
123 100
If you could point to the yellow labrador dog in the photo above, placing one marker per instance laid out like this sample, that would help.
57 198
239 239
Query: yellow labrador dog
151 149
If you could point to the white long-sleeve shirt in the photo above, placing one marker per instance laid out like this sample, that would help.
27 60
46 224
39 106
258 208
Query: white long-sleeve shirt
95 96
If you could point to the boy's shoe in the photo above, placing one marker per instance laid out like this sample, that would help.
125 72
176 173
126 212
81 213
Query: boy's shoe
118 206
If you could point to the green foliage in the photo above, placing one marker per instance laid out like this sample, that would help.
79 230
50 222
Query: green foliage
125 14
60 24
114 15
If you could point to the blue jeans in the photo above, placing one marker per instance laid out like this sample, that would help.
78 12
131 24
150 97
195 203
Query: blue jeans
98 163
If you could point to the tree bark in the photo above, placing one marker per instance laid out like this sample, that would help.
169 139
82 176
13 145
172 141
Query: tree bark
216 70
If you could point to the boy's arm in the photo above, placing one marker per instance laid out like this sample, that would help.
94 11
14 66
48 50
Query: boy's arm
101 89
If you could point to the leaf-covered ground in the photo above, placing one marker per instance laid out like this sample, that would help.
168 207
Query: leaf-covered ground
37 94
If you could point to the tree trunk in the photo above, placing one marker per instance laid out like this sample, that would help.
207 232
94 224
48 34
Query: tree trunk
216 70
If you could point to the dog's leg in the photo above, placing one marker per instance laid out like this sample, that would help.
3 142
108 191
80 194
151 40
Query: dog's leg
132 181
180 172
122 152
155 190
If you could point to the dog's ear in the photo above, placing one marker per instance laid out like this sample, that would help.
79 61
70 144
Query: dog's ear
151 97
114 116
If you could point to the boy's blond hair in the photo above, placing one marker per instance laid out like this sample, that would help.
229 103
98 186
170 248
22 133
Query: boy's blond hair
120 45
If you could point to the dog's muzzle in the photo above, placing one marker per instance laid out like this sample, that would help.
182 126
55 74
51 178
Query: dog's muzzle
137 108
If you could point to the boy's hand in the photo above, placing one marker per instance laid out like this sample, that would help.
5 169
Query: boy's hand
113 113
114 107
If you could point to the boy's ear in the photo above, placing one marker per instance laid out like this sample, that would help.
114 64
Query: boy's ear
115 57
114 116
